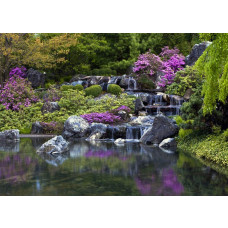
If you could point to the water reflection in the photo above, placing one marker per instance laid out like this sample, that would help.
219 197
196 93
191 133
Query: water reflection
103 168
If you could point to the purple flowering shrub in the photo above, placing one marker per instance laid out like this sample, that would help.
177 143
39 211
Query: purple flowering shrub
147 64
19 71
17 92
172 62
121 108
169 62
105 117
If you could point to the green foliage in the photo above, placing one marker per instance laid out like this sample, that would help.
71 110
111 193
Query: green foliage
212 148
67 87
225 135
94 90
146 83
184 132
214 65
114 89
189 78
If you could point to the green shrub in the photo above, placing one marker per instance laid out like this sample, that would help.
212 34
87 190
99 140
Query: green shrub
225 135
94 90
184 132
188 78
146 83
67 87
114 89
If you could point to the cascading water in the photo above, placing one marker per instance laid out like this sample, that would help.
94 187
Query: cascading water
132 81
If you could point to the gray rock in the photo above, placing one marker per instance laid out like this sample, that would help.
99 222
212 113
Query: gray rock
50 107
123 115
119 141
188 94
169 143
37 128
162 128
35 77
54 146
142 120
98 131
75 127
10 135
139 106
196 52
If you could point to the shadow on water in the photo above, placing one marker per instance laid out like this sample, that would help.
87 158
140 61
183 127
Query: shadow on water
103 168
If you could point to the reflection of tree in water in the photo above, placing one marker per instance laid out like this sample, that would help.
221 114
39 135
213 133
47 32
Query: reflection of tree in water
198 179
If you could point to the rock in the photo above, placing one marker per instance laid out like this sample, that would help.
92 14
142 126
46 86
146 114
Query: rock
35 77
162 128
139 106
37 128
98 131
188 94
119 141
123 115
50 107
142 120
75 127
115 132
196 52
124 82
169 143
10 135
96 135
54 146
142 113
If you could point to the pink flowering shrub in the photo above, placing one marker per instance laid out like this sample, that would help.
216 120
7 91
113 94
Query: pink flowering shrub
169 62
121 108
19 71
105 117
17 93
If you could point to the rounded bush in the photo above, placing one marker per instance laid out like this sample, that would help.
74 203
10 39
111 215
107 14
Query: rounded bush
67 87
94 90
114 89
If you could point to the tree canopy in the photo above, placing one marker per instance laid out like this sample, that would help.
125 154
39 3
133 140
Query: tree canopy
213 64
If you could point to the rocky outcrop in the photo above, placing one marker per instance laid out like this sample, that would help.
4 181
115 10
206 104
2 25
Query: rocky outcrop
196 52
35 77
75 127
37 128
169 143
54 146
162 128
10 135
123 115
50 107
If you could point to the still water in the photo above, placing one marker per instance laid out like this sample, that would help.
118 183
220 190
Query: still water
103 168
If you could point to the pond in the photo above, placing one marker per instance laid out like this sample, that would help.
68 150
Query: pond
103 168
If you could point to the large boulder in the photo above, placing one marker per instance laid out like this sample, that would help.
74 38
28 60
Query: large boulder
35 77
162 128
54 146
9 135
50 107
37 128
75 127
97 131
196 52
142 120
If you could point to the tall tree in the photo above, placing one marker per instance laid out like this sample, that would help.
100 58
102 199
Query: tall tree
28 49
214 65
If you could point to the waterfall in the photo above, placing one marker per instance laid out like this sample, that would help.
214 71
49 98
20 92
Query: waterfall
131 79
